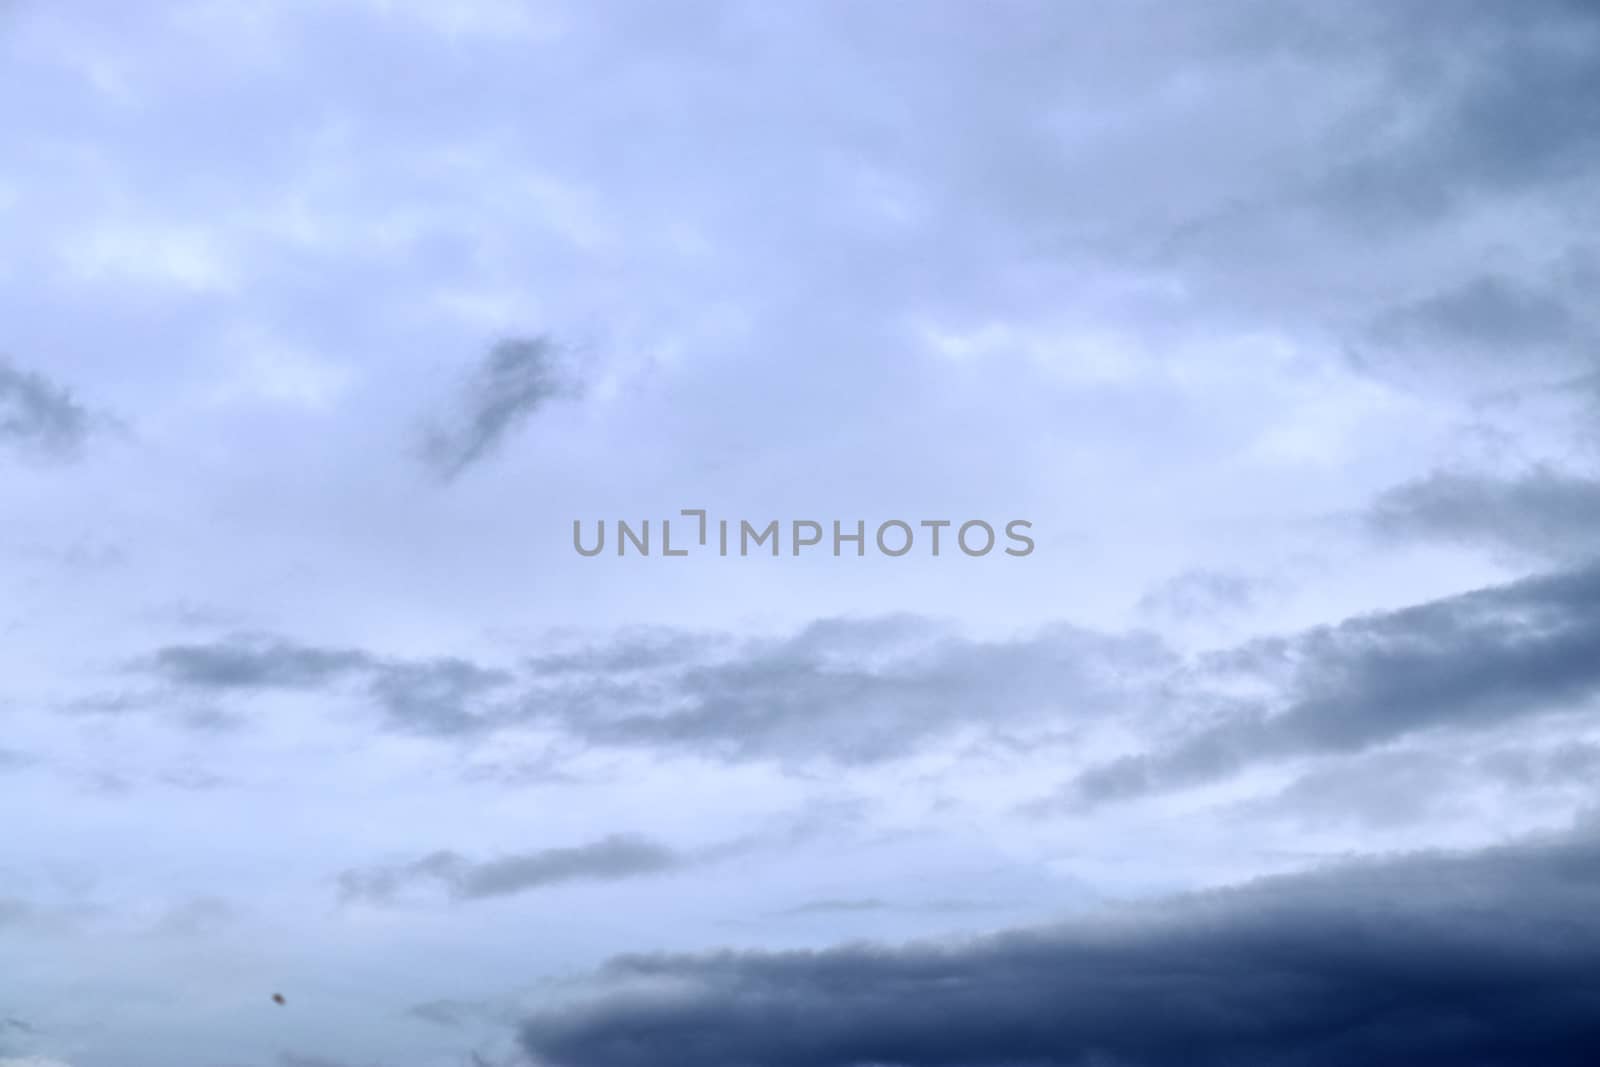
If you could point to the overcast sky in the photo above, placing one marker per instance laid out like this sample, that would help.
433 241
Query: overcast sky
323 321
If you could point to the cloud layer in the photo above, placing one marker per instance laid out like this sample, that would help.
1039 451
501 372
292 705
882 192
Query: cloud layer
1477 960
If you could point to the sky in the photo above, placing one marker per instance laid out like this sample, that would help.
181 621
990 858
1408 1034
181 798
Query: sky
325 325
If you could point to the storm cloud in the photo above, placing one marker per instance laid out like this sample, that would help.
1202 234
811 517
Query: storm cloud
1471 959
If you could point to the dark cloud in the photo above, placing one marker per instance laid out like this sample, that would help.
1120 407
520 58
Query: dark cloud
39 418
1480 659
518 377
609 859
1542 513
1479 960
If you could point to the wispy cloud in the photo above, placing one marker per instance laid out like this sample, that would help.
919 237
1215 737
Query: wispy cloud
518 378
610 859
39 418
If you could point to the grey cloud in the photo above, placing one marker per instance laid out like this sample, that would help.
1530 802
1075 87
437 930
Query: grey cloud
609 859
431 696
630 649
1470 111
1541 513
451 1013
850 690
295 1059
835 907
517 378
1376 790
873 905
1487 317
1519 119
247 662
857 691
864 691
438 697
1572 762
1477 959
39 418
1483 658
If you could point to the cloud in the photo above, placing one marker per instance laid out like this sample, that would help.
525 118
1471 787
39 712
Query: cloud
838 906
609 859
1479 659
429 696
440 697
847 690
197 917
449 1013
1483 317
865 905
1501 129
247 662
1205 594
866 691
14 911
518 378
1542 513
1469 959
852 690
39 419
295 1059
